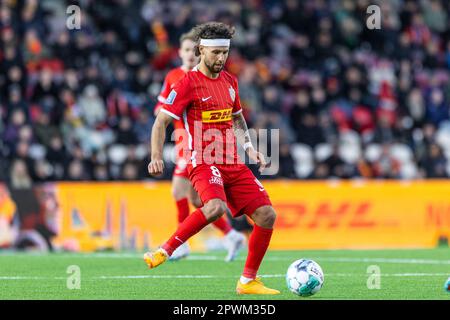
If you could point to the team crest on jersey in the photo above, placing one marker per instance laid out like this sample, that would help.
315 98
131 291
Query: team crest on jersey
232 93
171 97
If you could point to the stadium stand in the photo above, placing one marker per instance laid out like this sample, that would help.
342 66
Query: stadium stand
350 102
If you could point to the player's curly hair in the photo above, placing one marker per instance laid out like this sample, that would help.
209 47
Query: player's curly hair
212 30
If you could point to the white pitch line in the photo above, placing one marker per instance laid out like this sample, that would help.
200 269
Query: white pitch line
269 276
21 278
384 260
157 276
337 259
219 276
219 258
30 278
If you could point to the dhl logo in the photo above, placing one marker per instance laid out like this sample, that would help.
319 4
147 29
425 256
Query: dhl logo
216 115
345 214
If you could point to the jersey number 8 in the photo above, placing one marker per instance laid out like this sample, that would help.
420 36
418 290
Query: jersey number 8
215 171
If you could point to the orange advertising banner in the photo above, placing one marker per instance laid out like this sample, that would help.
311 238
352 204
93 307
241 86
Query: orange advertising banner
375 214
310 215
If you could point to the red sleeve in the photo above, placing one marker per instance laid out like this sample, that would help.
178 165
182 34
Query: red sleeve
178 99
165 90
237 108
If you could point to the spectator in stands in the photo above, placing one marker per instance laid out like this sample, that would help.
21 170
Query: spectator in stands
287 165
19 175
11 132
101 173
386 166
16 102
335 165
42 171
125 133
92 107
76 171
142 126
45 92
435 163
437 110
57 157
305 121
130 171
44 130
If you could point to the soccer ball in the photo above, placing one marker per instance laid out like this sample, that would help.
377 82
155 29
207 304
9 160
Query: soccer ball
304 277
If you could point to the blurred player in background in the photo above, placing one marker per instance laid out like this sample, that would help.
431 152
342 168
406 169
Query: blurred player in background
182 190
206 99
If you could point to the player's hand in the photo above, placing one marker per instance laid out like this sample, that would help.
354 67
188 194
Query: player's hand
156 167
258 157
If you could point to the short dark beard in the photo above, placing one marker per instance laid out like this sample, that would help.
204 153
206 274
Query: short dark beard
211 69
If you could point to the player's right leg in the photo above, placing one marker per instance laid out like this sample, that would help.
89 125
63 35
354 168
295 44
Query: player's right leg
212 210
212 195
233 240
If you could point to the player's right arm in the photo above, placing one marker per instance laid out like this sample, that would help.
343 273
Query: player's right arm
163 94
156 165
177 101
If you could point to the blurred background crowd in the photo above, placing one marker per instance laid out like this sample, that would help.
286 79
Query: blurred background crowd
349 101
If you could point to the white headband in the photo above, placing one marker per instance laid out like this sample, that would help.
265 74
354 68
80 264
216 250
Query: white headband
215 42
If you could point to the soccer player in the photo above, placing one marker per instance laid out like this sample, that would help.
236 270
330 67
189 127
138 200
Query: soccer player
181 186
207 100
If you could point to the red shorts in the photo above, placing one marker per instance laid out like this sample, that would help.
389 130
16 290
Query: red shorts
234 184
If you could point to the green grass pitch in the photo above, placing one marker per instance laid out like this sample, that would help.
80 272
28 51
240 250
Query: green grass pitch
405 274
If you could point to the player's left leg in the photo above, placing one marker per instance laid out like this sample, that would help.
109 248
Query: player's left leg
246 195
249 283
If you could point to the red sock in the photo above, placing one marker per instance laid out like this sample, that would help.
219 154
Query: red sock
222 224
190 226
183 209
257 246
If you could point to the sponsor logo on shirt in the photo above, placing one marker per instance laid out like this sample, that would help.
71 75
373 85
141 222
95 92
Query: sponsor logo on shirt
216 115
216 180
171 97
232 93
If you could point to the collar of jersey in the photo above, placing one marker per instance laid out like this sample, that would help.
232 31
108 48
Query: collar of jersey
196 69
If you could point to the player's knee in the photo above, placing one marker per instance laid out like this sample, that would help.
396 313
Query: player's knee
269 217
177 193
195 200
214 209
265 217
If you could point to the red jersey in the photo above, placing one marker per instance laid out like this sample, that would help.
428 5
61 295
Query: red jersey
206 107
172 77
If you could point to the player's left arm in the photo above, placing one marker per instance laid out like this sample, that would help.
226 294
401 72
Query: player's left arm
243 137
241 130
